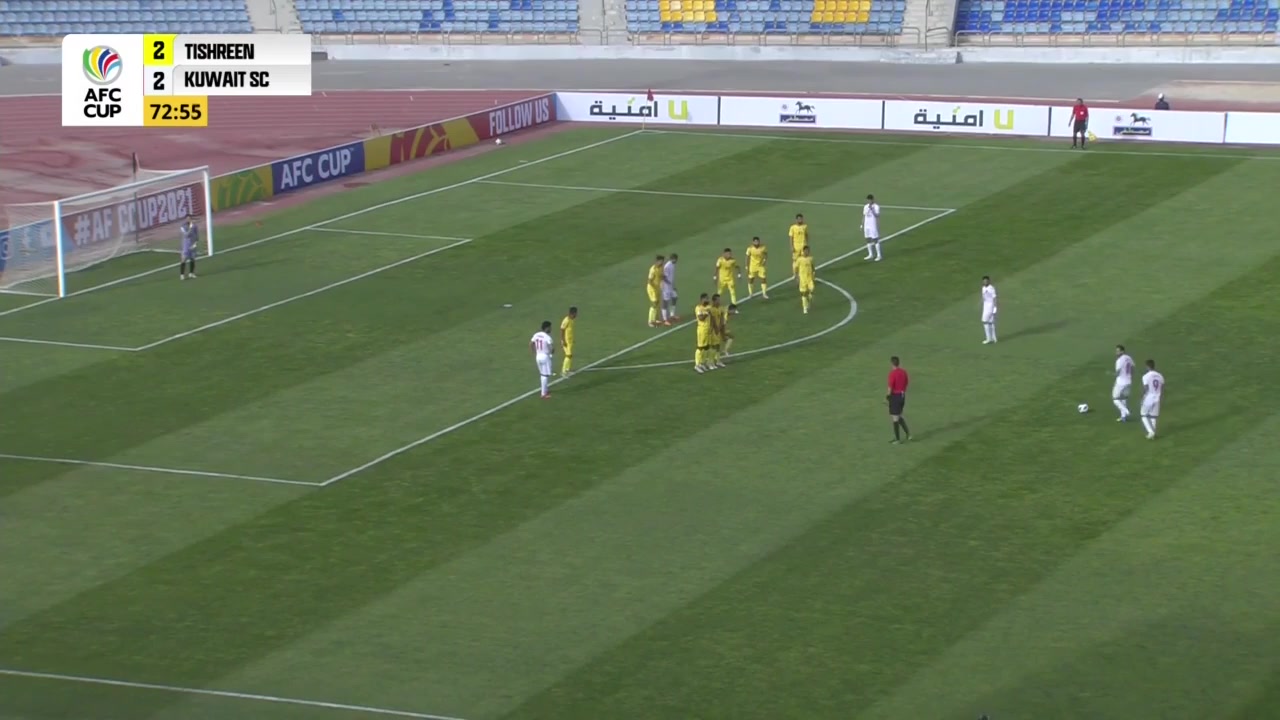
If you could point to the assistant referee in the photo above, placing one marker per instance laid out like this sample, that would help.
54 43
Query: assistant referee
897 399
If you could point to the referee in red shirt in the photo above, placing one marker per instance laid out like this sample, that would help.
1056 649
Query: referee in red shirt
897 399
1079 123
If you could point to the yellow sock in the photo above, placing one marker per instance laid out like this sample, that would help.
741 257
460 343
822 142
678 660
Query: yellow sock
749 288
715 354
804 301
728 344
568 363
733 294
764 289
699 358
653 315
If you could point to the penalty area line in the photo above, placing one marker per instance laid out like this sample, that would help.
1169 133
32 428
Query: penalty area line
589 366
153 469
179 690
853 312
61 343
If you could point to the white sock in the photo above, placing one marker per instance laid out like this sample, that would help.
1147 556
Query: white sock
664 313
1153 425
991 327
1124 410
1146 423
543 378
877 247
871 249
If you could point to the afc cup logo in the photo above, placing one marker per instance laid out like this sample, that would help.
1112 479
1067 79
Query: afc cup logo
102 65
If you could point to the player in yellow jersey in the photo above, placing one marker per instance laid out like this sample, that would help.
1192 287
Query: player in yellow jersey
566 341
717 332
724 326
727 272
654 288
804 278
702 318
799 234
757 258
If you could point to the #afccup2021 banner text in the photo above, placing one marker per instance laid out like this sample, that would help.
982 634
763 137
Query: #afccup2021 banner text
966 118
637 108
801 111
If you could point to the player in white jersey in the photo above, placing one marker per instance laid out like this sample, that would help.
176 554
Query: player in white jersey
670 296
988 310
871 228
1152 389
1124 382
543 348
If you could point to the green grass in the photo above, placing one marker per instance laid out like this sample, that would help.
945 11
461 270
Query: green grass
652 543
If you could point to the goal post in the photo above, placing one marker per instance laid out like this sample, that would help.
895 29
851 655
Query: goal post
41 244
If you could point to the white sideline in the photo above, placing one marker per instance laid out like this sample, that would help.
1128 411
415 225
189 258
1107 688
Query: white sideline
848 318
961 145
331 221
653 338
149 468
223 694
706 196
378 233
309 293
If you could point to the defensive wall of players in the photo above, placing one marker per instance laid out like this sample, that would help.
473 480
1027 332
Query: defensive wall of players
671 111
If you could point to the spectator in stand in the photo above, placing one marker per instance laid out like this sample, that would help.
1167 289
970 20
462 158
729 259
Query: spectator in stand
1161 103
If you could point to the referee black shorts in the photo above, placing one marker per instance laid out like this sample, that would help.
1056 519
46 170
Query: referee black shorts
896 403
1082 125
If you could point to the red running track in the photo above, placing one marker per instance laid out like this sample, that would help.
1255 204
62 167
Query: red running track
40 160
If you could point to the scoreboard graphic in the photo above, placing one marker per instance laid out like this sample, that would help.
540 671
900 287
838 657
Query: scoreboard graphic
166 80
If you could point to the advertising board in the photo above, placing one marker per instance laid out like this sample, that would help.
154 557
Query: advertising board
636 108
1253 128
967 118
1131 124
801 111
302 171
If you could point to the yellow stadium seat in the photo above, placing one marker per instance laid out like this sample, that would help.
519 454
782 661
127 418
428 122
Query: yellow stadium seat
664 16
712 16
836 17
841 6
864 6
694 5
828 17
699 16
676 6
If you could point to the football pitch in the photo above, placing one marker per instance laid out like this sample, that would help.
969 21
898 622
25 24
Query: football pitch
317 482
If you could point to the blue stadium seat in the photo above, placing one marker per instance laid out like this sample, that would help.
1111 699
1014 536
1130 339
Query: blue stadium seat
1037 17
60 17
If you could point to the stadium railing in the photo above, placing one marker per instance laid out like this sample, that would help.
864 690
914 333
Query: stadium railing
503 37
1120 39
912 36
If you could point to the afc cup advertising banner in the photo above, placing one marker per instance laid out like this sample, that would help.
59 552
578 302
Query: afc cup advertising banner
302 171
965 118
1150 125
637 108
1253 127
801 111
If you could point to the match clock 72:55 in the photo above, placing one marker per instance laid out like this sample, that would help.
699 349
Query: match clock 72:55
175 111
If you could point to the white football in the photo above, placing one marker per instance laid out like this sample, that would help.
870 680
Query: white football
498 141
1082 408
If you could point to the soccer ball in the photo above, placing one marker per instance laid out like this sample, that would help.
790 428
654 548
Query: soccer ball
1082 408
498 141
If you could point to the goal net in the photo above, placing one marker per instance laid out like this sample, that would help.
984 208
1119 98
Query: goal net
42 243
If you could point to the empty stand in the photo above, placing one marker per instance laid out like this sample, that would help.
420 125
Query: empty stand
439 16
62 17
987 18
765 17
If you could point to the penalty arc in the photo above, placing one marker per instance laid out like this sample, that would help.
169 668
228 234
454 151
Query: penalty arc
848 318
